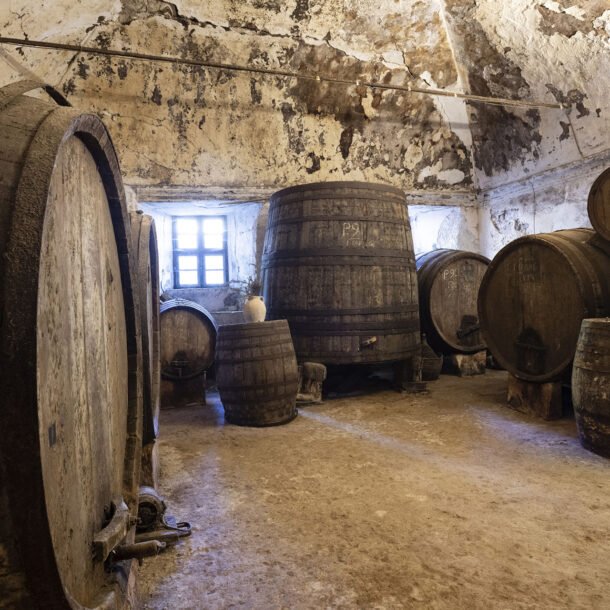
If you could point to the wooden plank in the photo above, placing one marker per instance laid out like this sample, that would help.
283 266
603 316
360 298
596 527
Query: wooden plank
465 365
542 400
150 473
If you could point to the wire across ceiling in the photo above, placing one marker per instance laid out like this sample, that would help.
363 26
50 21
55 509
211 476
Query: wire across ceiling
60 46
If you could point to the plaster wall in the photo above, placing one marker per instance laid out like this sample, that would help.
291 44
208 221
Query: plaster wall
452 227
163 227
193 133
550 202
181 126
536 50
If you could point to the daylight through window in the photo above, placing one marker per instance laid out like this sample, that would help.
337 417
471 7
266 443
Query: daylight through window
200 251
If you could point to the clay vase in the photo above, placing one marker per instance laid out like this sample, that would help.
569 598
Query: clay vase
254 309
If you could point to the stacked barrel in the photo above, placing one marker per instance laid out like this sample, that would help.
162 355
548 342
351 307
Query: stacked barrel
537 294
591 372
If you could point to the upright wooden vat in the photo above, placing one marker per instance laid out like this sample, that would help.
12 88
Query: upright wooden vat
70 378
449 282
591 385
256 373
338 265
534 296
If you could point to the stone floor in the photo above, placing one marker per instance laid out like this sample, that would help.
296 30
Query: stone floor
384 500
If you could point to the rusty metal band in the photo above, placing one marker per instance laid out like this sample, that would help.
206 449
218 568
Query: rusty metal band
381 357
393 220
600 363
280 312
394 327
340 261
334 197
596 416
265 386
340 256
258 358
347 251
339 185
226 333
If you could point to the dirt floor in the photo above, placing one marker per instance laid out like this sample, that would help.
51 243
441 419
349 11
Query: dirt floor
384 500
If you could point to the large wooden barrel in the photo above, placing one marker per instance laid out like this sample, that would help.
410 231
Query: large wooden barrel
256 373
188 339
534 296
147 263
449 282
338 265
70 378
591 385
598 205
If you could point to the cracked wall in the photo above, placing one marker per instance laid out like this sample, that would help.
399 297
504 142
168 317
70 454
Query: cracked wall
539 50
534 168
188 132
179 126
549 202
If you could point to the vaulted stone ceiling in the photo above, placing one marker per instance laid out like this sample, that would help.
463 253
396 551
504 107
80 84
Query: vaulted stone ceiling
177 125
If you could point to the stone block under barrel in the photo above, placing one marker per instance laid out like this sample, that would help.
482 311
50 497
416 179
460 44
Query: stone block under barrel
188 343
591 385
448 282
338 264
71 374
256 373
534 296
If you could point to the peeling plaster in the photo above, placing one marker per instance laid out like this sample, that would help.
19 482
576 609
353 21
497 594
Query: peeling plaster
182 129
220 127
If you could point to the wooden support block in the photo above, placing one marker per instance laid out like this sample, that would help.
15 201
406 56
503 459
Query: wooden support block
432 363
311 377
408 375
149 474
465 365
538 399
183 392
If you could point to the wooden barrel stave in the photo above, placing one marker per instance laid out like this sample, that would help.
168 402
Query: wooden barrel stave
338 265
598 205
147 257
67 308
256 373
448 282
534 296
591 385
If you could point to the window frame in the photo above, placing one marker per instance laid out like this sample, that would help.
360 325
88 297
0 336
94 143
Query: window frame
200 252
